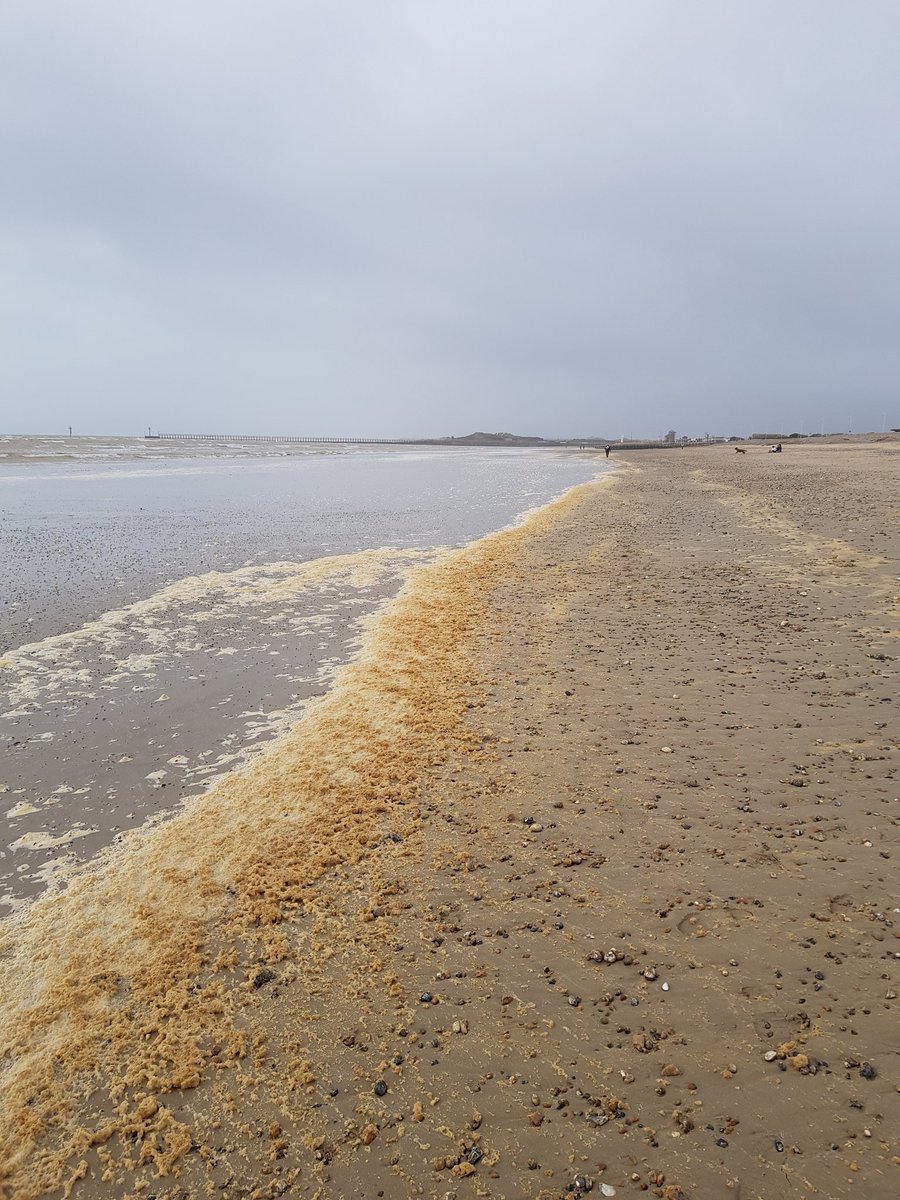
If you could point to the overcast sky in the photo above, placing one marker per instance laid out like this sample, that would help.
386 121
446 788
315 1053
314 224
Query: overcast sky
560 217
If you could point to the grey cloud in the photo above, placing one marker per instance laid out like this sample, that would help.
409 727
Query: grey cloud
429 217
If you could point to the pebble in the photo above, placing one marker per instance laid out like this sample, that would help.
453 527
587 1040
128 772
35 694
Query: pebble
606 1189
380 1088
867 1071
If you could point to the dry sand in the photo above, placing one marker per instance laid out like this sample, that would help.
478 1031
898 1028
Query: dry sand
581 878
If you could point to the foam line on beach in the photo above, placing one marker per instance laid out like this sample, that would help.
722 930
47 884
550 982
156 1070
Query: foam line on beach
114 992
275 583
97 695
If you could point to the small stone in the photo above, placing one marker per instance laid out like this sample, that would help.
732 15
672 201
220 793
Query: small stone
426 997
666 750
461 1170
650 973
380 1088
665 987
262 977
474 1156
607 1189
779 1146
867 1071
770 1056
583 1184
368 1135
536 1119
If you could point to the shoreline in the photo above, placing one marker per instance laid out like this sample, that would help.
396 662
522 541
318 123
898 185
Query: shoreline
17 450
592 723
107 449
87 537
115 721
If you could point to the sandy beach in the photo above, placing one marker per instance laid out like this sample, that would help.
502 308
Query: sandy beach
581 878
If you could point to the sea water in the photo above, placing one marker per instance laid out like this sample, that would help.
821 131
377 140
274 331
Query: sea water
163 617
89 534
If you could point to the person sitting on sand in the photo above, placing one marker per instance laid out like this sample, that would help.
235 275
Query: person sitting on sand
776 449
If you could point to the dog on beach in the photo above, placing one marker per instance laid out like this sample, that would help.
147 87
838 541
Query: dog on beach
739 450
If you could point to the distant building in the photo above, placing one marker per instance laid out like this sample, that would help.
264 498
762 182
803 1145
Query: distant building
669 438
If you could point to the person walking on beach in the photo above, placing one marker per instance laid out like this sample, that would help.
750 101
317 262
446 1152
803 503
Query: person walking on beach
608 448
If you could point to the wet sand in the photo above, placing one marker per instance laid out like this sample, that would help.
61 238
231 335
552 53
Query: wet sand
581 878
